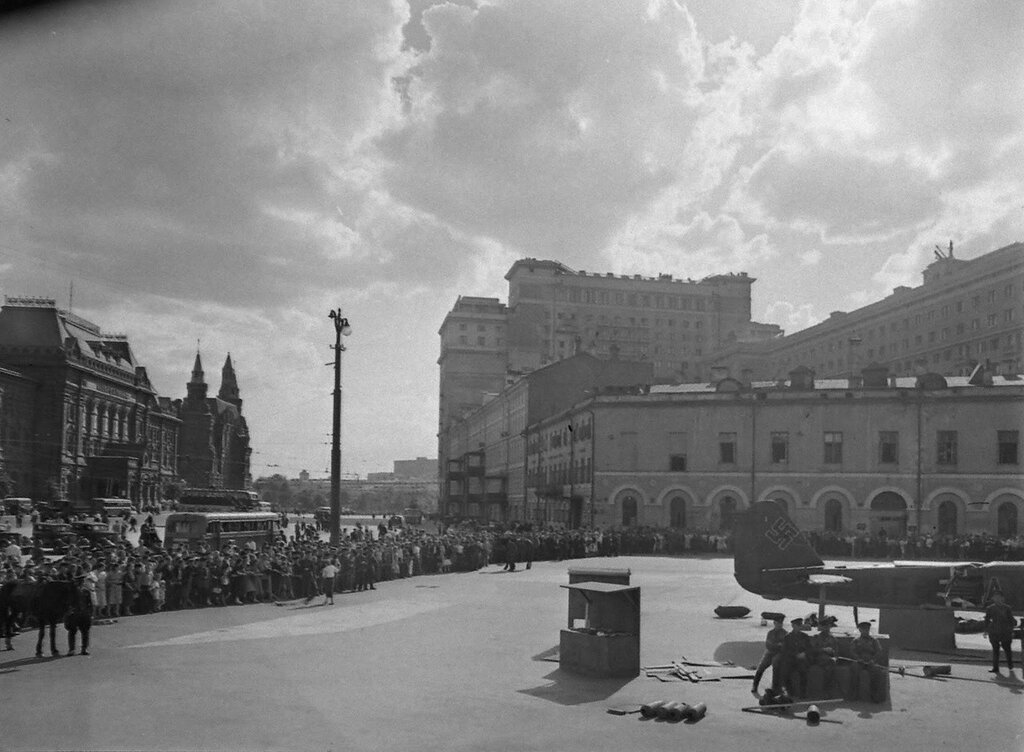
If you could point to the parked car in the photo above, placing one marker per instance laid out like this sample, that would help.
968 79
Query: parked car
95 534
50 538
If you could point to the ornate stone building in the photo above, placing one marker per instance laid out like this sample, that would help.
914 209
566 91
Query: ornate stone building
215 436
80 416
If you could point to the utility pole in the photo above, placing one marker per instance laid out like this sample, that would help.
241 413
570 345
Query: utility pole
340 327
572 470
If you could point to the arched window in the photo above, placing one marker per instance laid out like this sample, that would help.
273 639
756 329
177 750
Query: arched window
677 512
889 515
1006 520
726 513
947 518
629 507
834 516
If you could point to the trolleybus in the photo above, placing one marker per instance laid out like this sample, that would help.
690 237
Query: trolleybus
217 529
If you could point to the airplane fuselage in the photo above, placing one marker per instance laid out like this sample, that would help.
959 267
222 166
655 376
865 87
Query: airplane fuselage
896 586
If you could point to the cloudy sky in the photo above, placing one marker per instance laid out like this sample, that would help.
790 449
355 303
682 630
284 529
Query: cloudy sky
231 171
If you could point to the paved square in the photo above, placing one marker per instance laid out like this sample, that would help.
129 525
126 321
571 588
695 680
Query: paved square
454 662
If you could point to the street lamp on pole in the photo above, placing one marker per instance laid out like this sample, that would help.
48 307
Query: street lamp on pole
341 327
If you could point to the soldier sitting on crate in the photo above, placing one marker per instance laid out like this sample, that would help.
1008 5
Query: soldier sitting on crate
772 647
866 651
789 669
825 649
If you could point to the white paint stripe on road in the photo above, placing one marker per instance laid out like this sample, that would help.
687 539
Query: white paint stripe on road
326 620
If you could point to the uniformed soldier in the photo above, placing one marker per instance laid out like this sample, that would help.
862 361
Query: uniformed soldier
999 624
772 647
824 650
790 667
79 615
866 651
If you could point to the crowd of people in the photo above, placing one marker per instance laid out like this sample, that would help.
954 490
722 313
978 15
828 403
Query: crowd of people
123 580
926 547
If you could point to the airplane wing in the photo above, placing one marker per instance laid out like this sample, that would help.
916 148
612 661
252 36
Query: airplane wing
947 563
828 579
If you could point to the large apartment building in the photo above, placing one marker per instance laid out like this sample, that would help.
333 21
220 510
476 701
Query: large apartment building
965 312
554 312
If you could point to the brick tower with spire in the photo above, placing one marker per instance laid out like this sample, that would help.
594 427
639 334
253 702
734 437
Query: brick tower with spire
214 450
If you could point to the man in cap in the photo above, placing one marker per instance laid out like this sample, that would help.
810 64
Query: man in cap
79 616
790 667
866 651
825 649
999 624
772 647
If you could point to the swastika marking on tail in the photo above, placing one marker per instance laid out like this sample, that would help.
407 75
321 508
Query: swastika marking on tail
782 533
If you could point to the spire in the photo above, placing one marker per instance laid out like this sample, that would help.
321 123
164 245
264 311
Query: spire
229 384
197 370
197 385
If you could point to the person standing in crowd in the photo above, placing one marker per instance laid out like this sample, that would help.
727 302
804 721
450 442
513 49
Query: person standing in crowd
7 607
327 575
99 604
144 575
772 648
999 624
115 591
866 651
79 615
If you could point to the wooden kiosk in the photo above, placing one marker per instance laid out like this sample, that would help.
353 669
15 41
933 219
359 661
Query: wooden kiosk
603 634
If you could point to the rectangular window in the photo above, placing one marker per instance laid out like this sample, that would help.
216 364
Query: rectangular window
677 462
833 447
946 448
727 448
1008 443
888 447
780 447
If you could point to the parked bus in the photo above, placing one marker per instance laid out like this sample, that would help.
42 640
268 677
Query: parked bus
413 516
220 500
111 507
189 529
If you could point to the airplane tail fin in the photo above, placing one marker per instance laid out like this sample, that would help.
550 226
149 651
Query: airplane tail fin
766 538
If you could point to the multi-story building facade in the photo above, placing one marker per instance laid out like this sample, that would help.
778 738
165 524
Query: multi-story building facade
966 312
485 476
931 454
555 312
420 468
97 426
17 415
215 451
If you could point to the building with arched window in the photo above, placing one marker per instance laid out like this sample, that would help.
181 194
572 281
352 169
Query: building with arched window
882 455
